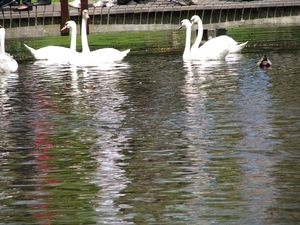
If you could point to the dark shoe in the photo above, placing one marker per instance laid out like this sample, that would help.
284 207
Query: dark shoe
23 8
5 3
14 3
42 2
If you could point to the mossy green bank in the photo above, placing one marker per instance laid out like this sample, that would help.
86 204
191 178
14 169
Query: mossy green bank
160 41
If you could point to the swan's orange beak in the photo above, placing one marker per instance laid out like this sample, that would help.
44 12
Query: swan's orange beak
180 27
65 27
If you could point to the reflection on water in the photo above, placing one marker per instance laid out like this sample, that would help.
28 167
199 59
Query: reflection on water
109 176
255 147
152 140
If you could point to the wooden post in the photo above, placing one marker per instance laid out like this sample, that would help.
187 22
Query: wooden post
64 16
85 5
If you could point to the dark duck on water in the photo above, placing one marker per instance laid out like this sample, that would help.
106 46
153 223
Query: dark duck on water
264 62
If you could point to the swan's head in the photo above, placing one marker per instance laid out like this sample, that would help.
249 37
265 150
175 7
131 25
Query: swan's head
184 23
85 14
69 25
195 19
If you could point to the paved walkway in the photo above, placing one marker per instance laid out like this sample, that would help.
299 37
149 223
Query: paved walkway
47 20
147 6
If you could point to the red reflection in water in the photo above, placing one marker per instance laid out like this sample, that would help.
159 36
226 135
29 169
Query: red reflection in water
43 143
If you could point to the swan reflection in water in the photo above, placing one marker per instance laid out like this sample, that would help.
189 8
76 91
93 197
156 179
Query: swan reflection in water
101 89
213 68
3 83
205 89
98 86
5 79
105 66
199 78
236 94
255 148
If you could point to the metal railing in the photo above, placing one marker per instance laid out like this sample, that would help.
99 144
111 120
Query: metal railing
160 14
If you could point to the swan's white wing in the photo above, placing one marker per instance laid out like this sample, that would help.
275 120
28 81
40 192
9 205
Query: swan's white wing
98 57
213 50
234 47
109 55
53 53
94 58
7 63
238 48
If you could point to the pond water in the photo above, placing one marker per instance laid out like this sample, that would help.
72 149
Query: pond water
152 140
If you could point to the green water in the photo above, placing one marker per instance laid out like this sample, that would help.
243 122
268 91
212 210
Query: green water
152 140
160 41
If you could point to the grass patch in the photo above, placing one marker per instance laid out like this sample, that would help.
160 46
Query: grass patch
159 41
138 42
266 36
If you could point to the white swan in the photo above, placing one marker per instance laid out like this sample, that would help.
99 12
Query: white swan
7 63
56 53
72 54
205 52
51 53
234 47
100 55
84 40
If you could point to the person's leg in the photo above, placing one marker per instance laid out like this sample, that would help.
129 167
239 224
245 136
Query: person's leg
27 2
42 2
75 4
26 6
15 3
4 3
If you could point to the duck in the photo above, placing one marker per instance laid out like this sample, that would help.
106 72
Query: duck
7 62
264 62
223 40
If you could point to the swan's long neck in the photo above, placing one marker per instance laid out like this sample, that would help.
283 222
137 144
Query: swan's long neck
84 41
199 36
2 41
73 39
187 52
